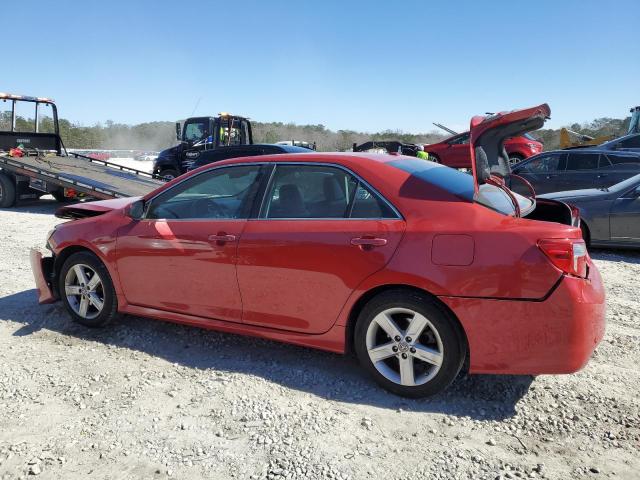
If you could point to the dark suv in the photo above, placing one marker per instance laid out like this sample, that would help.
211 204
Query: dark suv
210 156
561 170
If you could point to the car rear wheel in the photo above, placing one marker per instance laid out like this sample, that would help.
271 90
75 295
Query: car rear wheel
87 291
515 159
408 344
7 191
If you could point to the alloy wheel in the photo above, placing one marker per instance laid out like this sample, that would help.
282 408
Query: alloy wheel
404 346
84 291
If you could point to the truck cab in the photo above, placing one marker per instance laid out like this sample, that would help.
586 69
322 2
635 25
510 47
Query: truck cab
201 133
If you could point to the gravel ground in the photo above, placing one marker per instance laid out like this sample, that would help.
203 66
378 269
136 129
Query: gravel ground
148 399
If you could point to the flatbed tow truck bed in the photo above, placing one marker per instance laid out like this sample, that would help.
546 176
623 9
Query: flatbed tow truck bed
96 178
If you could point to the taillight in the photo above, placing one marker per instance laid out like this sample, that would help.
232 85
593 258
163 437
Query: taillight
568 254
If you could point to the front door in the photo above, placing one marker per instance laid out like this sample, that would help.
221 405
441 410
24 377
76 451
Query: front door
182 256
624 217
320 233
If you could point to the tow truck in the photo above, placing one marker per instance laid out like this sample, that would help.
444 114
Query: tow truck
198 134
34 162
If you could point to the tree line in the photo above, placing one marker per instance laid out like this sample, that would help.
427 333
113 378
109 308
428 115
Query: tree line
155 136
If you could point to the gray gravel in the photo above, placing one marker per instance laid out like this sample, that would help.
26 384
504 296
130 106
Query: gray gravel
147 399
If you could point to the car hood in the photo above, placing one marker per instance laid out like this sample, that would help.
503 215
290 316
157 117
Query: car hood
488 135
93 209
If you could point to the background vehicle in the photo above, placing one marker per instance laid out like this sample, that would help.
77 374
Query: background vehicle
610 216
43 166
198 134
634 124
454 151
206 157
575 169
388 146
569 138
281 231
628 143
298 143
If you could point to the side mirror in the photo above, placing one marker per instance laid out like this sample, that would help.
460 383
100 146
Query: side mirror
178 131
136 210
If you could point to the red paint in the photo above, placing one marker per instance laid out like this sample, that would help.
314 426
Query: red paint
298 281
458 155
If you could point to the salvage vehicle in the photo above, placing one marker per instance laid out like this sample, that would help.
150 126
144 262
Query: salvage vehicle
575 169
420 269
627 143
34 161
212 156
609 217
201 134
454 151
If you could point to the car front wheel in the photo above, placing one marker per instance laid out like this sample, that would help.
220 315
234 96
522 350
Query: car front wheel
87 291
408 344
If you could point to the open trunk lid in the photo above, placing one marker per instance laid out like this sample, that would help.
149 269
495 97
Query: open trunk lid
490 161
488 134
93 209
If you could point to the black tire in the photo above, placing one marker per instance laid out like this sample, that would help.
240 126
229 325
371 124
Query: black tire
59 196
109 309
7 191
586 235
453 351
169 174
434 158
515 159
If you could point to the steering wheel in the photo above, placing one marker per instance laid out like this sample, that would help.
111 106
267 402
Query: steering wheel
207 208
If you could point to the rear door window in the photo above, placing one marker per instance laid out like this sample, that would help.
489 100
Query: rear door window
318 191
582 161
626 161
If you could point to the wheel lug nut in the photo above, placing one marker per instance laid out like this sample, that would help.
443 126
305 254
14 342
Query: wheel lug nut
408 339
397 338
412 350
404 355
394 348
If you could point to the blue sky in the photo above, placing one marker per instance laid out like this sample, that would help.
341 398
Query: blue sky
363 65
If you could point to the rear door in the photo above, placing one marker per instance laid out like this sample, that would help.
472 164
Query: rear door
621 166
321 231
581 171
543 172
624 217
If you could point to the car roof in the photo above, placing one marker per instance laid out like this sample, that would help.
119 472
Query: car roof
594 150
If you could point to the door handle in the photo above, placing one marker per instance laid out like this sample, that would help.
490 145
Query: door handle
368 241
602 175
222 238
551 176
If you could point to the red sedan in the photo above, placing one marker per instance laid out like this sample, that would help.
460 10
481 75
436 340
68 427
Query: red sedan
418 268
454 151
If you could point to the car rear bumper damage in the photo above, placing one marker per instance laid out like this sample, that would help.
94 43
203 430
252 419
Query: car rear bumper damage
42 268
556 335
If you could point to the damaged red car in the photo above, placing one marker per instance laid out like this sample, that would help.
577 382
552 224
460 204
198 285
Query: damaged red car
420 269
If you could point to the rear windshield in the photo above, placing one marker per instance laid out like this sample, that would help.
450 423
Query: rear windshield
445 178
461 185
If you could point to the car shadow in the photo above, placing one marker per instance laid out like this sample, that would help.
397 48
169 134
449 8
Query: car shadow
616 255
324 374
44 206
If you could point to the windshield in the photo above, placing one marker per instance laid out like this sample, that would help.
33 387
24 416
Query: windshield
625 184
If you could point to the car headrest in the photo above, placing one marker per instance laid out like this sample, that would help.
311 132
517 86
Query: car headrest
332 190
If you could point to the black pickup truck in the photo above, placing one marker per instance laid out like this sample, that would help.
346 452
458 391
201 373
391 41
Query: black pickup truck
200 134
